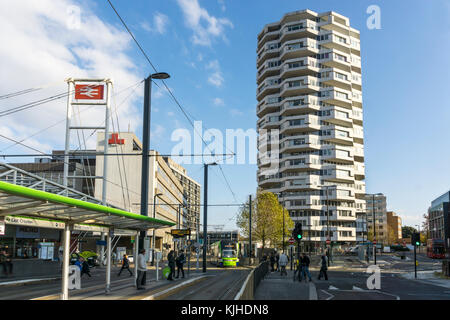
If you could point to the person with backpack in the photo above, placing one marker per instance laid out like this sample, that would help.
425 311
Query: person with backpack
171 259
180 261
125 265
324 267
305 267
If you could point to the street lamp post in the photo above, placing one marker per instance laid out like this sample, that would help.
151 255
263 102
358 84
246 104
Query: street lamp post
205 211
146 145
153 235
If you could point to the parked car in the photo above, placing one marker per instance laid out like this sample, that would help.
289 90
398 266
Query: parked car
352 251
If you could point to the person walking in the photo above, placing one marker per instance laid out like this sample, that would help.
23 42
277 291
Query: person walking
305 267
324 267
142 270
283 263
171 259
125 265
180 261
3 261
277 259
272 262
84 267
300 267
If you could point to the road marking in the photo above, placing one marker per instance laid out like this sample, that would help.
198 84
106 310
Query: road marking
330 295
178 286
312 291
332 288
357 289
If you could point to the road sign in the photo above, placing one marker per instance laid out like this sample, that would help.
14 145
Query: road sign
2 228
178 233
374 241
291 240
328 241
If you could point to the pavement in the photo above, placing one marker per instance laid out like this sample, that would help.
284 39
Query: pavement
277 287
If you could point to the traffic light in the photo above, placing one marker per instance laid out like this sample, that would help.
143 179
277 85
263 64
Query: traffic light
415 239
297 233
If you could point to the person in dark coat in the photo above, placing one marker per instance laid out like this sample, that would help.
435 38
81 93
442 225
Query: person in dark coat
84 267
272 262
277 259
171 259
180 261
125 265
324 267
305 267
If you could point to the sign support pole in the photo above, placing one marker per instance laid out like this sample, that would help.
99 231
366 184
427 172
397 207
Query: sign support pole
108 262
65 266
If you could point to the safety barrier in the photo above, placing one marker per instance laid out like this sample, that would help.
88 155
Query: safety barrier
248 290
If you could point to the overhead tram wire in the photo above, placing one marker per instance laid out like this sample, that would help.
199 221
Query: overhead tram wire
170 92
37 103
25 91
63 120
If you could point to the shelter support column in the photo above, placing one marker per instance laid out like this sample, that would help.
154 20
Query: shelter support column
135 257
65 264
108 262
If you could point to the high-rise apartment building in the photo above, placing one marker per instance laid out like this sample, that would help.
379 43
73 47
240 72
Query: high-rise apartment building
310 124
376 203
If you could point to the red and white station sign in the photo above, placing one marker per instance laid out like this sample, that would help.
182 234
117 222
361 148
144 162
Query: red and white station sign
89 91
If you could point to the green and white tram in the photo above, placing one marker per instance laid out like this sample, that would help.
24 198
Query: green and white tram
225 253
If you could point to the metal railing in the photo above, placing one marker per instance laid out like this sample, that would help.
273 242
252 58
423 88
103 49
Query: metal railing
248 290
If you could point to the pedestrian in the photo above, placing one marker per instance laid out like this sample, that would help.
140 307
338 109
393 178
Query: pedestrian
142 270
171 259
277 259
299 267
305 267
125 265
84 267
272 262
324 267
3 261
8 262
283 263
180 261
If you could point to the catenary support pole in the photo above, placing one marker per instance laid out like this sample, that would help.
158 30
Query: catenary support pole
108 262
205 215
65 266
250 229
135 257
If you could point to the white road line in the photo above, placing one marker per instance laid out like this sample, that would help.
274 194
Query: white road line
332 288
312 291
330 295
153 296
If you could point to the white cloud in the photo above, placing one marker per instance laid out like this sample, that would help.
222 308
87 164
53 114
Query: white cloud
216 77
48 43
204 26
160 22
218 102
170 114
222 4
236 112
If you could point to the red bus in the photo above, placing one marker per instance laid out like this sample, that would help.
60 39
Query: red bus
436 248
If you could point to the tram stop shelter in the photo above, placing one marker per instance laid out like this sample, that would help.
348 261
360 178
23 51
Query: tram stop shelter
55 211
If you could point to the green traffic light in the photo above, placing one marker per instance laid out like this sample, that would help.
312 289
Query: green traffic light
417 243
299 236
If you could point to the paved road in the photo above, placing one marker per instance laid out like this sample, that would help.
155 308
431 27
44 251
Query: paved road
220 284
277 287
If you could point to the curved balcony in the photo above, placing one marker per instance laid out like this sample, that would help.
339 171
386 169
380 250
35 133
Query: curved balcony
268 87
299 67
338 136
337 78
295 108
310 162
302 143
299 86
337 41
340 156
300 29
267 105
339 98
337 59
305 124
268 54
268 36
338 116
299 50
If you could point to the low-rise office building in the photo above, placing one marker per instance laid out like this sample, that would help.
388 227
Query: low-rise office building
439 219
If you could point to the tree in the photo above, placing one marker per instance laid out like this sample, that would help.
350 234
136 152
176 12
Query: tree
425 227
267 219
408 231
391 239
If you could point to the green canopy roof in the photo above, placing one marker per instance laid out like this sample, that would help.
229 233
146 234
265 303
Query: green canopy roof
21 201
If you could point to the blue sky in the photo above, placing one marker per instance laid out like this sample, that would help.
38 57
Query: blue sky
212 61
